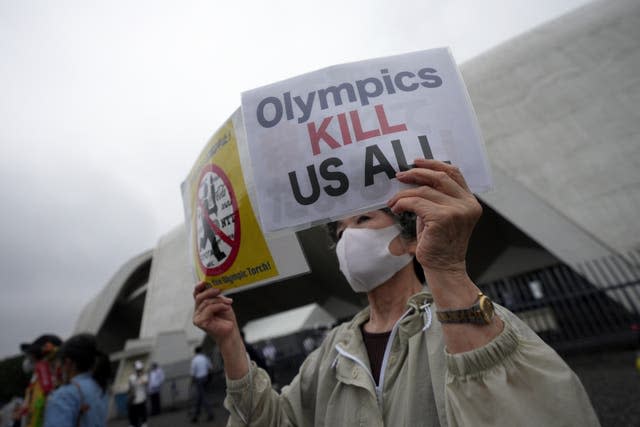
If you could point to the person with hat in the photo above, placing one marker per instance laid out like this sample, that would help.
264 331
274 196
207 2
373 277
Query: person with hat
82 400
39 356
138 382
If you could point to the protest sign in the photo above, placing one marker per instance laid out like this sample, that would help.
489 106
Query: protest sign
225 240
328 143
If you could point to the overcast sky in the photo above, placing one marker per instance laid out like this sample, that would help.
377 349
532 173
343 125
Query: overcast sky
104 106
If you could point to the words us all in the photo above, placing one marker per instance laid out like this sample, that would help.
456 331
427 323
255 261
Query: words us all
328 177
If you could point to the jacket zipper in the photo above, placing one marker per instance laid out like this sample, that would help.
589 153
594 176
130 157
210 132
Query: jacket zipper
387 351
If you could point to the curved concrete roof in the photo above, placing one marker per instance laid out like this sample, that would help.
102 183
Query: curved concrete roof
169 301
559 108
95 313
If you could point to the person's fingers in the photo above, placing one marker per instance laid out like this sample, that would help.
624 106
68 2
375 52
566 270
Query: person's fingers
425 210
214 319
200 287
210 308
204 290
425 192
451 170
419 225
435 179
207 293
213 301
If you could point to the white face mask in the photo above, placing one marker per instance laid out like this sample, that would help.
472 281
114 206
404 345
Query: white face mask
365 259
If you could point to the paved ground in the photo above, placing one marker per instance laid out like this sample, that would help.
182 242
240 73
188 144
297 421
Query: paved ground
180 417
610 379
613 385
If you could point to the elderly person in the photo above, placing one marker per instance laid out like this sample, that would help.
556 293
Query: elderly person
418 355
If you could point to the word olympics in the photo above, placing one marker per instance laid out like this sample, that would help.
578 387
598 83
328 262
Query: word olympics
271 110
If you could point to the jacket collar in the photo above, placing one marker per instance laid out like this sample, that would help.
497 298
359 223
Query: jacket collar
410 327
350 340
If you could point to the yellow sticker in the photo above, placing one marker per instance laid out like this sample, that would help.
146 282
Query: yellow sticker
228 247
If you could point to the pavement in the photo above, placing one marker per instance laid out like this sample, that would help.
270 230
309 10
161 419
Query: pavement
613 385
610 378
176 417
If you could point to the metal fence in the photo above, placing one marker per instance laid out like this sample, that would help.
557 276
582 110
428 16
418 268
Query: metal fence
594 305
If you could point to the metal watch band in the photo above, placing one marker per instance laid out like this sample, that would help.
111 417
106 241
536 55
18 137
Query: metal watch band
472 314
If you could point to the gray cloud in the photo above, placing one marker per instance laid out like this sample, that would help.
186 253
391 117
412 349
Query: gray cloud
104 107
65 231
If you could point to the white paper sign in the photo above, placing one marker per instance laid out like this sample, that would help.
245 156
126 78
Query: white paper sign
328 143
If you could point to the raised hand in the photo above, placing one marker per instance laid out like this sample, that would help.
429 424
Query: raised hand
446 212
213 313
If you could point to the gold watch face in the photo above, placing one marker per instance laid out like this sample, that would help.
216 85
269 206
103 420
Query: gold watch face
486 307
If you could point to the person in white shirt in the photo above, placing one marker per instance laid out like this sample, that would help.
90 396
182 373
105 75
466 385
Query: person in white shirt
269 351
200 369
138 396
156 378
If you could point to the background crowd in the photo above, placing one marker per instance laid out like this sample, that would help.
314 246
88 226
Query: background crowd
69 386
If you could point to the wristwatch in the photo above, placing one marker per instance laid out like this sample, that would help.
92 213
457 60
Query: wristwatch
480 313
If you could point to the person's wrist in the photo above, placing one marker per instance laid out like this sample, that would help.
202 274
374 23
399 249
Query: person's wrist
452 288
231 345
234 356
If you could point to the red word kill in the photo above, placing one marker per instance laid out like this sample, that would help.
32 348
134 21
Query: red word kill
321 134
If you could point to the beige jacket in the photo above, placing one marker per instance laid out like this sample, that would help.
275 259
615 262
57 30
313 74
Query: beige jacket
515 380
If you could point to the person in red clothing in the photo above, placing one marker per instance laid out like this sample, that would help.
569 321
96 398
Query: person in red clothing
39 356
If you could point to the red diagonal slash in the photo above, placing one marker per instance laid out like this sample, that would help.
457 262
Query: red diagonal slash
214 227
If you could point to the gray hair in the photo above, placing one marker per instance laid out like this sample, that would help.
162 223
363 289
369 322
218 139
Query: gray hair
406 221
